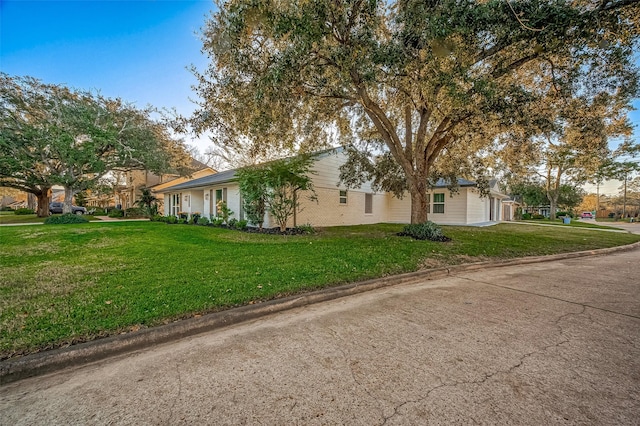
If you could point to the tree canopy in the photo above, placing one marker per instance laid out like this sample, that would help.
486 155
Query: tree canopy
428 84
52 135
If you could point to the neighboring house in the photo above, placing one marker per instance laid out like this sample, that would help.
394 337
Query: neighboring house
127 193
334 204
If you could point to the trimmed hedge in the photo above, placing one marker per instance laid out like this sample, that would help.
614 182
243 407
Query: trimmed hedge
65 219
24 211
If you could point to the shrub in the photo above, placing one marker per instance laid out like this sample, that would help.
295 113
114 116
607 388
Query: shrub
157 218
306 229
537 216
183 221
425 231
116 213
24 211
232 222
194 218
99 212
526 216
217 221
134 212
225 211
203 221
65 219
171 220
241 225
6 209
560 214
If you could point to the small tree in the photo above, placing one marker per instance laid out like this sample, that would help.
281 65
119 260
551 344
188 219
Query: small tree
148 202
285 178
274 188
253 186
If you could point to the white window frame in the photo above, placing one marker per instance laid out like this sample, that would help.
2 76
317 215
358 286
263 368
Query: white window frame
343 195
437 203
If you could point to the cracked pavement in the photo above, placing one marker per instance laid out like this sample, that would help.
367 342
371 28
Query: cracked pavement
548 343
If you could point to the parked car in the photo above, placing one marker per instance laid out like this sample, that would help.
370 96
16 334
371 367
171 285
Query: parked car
586 215
57 208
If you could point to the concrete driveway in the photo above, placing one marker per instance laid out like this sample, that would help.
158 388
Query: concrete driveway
549 343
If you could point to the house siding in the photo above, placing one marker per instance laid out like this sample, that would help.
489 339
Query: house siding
462 207
477 207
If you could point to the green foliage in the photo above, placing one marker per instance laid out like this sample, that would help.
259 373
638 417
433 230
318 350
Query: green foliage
72 306
537 217
425 231
526 216
241 225
274 187
203 221
562 214
24 211
231 223
171 220
217 222
194 218
116 213
51 134
437 85
65 219
253 187
225 211
306 229
135 212
148 203
6 209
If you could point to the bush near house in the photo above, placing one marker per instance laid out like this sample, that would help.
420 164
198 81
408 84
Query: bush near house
424 231
24 211
116 213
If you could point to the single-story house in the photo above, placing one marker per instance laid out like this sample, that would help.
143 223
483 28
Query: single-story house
336 205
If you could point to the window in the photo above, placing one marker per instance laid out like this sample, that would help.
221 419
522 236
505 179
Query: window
175 204
368 203
343 196
438 203
428 203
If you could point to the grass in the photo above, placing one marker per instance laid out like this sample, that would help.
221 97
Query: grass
71 283
10 218
574 223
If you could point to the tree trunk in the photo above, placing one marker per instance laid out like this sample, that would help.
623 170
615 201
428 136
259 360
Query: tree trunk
68 199
44 198
553 203
419 204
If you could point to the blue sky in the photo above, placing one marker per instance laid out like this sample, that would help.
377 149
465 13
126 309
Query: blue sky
136 50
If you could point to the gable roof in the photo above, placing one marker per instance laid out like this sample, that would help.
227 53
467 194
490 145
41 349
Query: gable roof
230 175
216 178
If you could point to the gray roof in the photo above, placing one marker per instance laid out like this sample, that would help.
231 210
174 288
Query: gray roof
230 175
442 183
216 178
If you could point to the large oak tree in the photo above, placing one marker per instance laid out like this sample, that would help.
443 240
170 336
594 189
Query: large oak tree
52 135
431 80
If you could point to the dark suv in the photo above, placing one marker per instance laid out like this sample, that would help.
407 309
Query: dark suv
57 208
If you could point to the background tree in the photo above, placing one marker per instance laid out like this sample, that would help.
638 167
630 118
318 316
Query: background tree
434 82
52 135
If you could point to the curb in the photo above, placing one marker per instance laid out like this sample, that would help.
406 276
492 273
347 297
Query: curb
48 361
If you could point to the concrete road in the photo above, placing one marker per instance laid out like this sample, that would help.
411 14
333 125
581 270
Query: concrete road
549 343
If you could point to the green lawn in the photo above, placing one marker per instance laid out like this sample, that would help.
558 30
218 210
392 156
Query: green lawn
10 217
574 223
62 284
